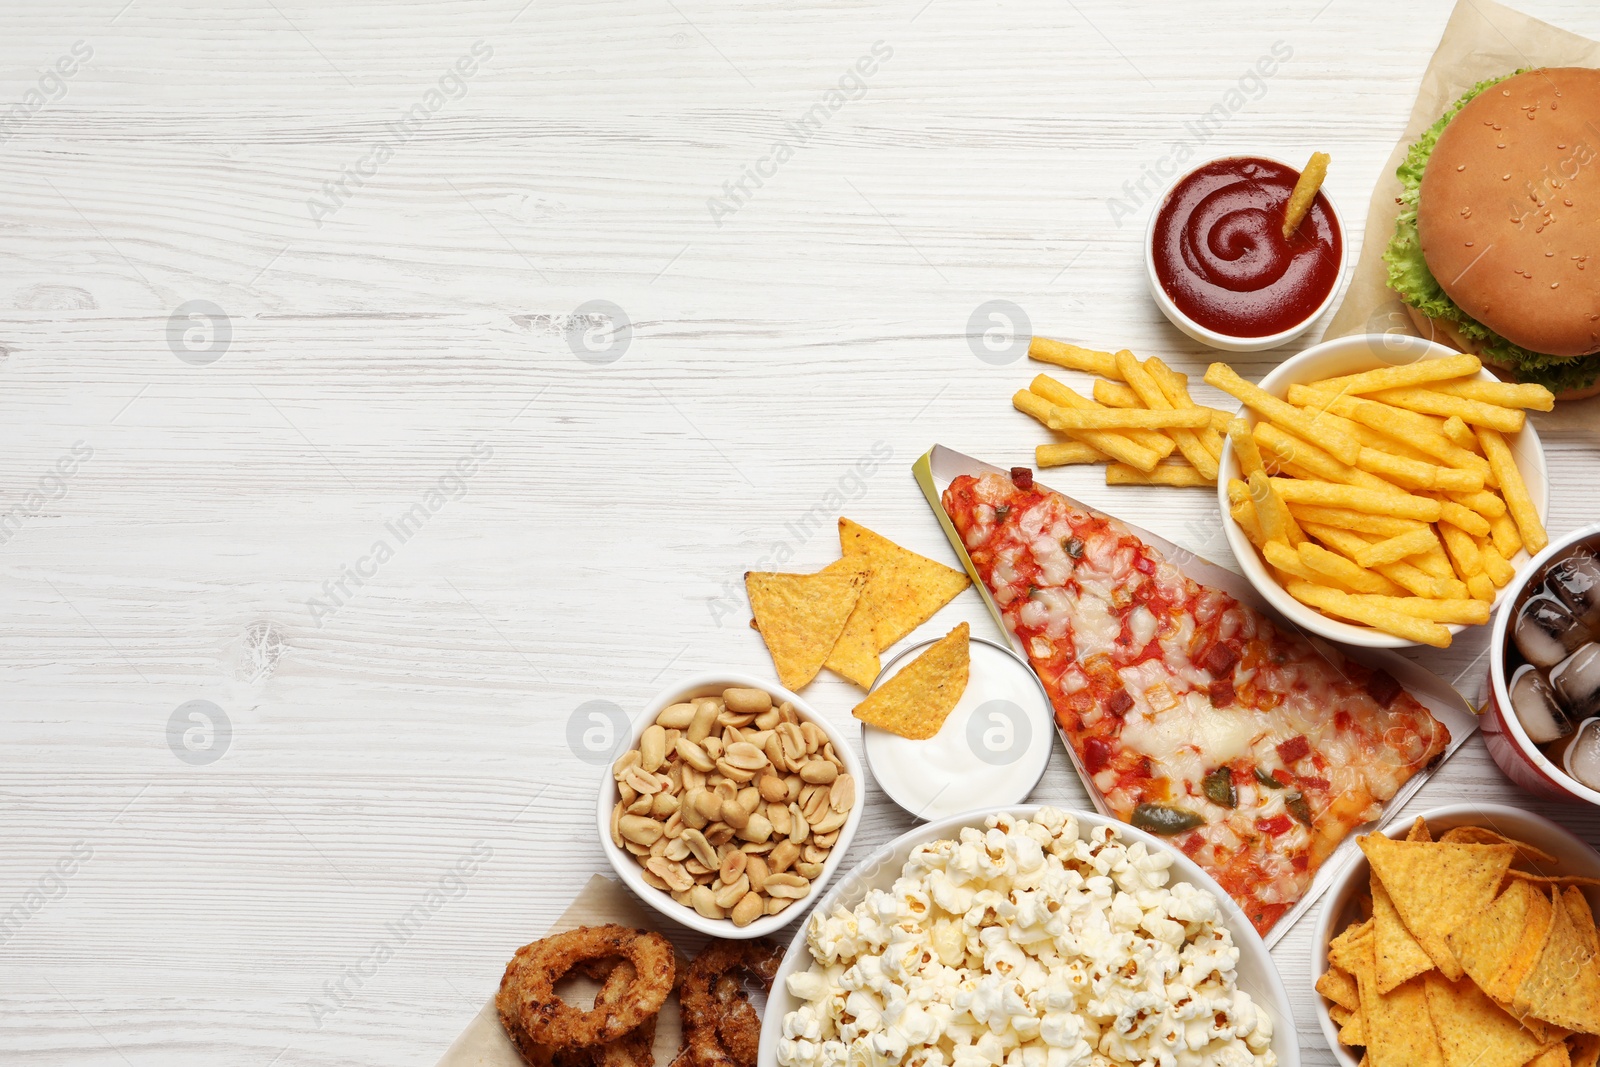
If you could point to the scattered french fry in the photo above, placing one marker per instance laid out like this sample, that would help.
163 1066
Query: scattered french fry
1425 370
1244 446
1069 419
1062 396
1111 444
1342 445
1514 489
1173 474
1065 453
1115 394
1072 357
1395 549
1141 382
1304 193
1375 614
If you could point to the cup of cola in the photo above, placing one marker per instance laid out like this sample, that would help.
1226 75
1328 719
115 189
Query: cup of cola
1542 721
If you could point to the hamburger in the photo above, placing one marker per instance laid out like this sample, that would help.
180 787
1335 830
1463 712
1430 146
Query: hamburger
1497 247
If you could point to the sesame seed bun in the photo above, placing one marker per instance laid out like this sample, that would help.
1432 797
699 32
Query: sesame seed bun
1509 211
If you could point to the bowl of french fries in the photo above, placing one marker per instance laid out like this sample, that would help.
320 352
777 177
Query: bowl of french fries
1382 490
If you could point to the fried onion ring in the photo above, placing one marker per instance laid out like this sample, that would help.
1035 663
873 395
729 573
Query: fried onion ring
531 1009
720 1027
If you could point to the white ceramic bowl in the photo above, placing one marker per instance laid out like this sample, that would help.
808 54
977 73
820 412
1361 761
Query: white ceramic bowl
1257 975
1227 342
629 869
1330 359
1338 904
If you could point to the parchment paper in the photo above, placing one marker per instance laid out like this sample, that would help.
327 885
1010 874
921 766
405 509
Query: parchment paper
1481 40
484 1043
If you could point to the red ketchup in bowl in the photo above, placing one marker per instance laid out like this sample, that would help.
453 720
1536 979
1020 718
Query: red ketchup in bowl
1220 253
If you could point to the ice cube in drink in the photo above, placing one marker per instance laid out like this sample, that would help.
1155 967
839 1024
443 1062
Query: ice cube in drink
1576 580
1582 760
1576 681
1547 631
1541 715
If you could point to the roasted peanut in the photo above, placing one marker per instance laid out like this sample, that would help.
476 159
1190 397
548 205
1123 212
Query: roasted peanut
653 747
750 908
706 711
676 716
819 772
729 895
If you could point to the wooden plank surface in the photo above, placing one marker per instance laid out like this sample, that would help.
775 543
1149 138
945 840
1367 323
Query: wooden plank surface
406 343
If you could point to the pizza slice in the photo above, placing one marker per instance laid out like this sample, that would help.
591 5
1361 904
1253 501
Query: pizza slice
1194 715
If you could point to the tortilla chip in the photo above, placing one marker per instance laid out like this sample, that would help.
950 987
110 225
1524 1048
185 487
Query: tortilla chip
1340 988
1473 1030
1400 958
1437 887
1479 835
1578 907
1585 1050
903 592
1344 950
1553 879
1394 1026
921 695
1557 1055
801 616
1564 985
1488 943
1353 1031
1419 831
1339 1014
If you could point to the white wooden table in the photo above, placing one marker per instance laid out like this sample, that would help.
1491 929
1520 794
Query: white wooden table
228 479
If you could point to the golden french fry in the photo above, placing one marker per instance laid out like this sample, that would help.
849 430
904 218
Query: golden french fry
1485 503
1072 357
1304 193
1060 395
1305 460
1482 588
1140 381
1495 566
1474 412
1513 488
1276 522
1070 419
1348 574
1395 549
1424 370
1402 574
1176 386
1462 612
1376 615
1066 453
1342 445
1410 428
1348 519
1501 394
1506 539
1244 513
1287 562
1244 446
1111 444
1464 518
1174 474
1460 433
1435 562
1358 498
1462 549
1115 395
1413 474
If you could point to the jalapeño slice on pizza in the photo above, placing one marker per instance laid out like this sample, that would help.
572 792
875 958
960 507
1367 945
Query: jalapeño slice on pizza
1196 716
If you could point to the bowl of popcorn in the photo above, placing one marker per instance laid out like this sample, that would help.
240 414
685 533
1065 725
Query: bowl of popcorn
732 805
1033 935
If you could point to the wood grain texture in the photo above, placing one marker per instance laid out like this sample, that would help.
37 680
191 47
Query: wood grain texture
595 549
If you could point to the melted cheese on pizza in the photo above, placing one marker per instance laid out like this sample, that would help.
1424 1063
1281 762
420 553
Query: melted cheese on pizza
1159 682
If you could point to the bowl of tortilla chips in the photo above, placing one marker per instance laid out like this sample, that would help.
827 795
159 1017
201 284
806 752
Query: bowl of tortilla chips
1465 936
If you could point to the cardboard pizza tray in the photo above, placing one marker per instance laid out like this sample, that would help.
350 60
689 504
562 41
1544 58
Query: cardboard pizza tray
940 466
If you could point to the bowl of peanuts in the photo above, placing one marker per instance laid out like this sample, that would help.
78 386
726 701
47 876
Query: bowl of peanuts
732 806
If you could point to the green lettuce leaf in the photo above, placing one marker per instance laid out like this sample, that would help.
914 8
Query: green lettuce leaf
1410 277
